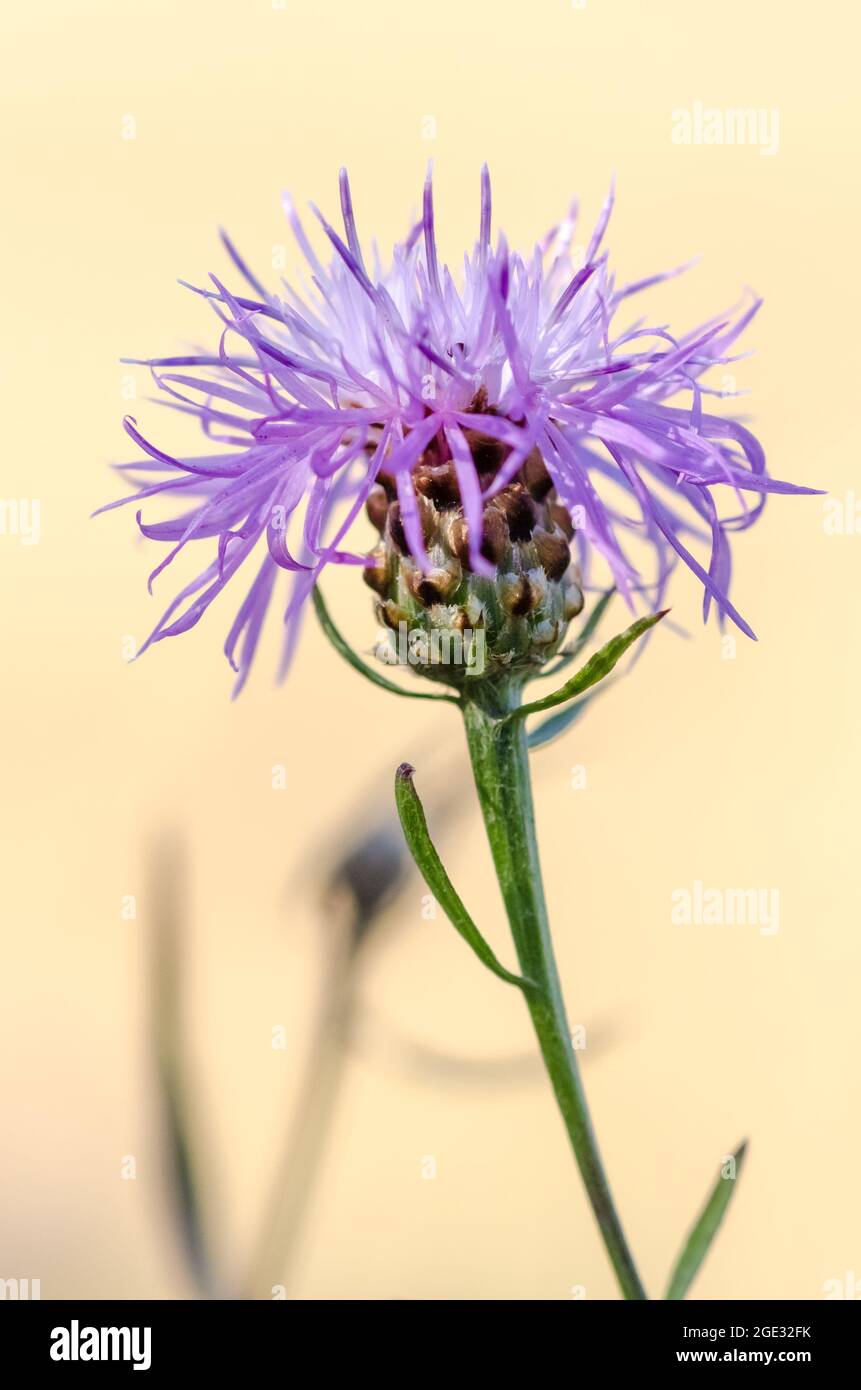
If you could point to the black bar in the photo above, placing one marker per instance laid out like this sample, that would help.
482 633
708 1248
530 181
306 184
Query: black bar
227 1338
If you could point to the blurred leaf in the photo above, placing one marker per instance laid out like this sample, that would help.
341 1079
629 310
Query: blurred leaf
430 865
181 1165
366 876
596 668
166 895
346 651
557 724
705 1228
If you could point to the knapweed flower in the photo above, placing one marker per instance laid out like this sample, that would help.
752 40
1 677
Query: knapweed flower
503 430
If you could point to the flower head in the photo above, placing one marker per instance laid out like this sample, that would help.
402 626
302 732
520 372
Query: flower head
515 386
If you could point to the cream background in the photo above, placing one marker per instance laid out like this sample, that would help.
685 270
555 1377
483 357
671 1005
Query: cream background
737 772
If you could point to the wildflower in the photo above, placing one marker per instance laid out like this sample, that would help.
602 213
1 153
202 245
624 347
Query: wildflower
505 434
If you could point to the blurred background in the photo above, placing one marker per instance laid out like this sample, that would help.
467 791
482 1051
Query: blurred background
130 133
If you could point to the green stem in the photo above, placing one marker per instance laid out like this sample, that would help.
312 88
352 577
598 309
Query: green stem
500 762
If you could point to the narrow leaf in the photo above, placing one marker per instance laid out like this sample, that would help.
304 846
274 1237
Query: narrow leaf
596 668
412 817
346 651
705 1228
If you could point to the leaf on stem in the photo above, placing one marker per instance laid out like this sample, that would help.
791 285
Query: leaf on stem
706 1226
346 651
417 836
596 668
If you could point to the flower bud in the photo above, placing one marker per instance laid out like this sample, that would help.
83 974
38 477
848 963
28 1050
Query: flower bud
573 600
553 551
377 507
376 576
454 624
535 476
494 543
562 517
437 585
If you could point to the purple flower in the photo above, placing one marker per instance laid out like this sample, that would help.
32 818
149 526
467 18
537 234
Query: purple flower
306 398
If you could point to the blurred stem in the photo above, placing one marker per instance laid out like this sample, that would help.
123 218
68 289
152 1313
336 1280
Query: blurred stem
500 763
302 1150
